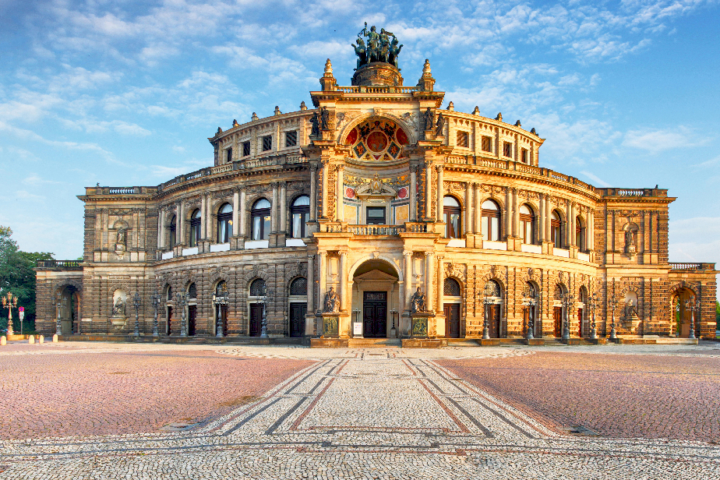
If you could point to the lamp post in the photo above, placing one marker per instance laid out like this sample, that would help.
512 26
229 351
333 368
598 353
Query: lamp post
263 331
568 300
182 301
393 331
487 295
529 301
58 324
156 306
357 313
593 306
613 306
220 300
693 307
136 304
9 301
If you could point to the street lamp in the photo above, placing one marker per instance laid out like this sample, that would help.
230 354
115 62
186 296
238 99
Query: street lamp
613 306
529 301
136 304
58 325
693 307
156 305
220 300
267 293
182 301
9 301
593 306
357 313
393 331
568 300
488 293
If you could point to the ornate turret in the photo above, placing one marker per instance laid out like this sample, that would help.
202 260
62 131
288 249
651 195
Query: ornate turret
328 81
426 82
377 63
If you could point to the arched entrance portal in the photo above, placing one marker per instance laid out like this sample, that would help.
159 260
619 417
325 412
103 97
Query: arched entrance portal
375 297
682 316
69 308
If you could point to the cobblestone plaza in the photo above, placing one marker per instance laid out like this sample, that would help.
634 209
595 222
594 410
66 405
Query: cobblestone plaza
108 410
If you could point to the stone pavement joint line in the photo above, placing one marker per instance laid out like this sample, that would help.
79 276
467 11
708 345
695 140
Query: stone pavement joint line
363 416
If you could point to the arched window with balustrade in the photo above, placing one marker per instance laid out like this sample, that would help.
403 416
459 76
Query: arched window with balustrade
556 229
261 220
452 214
224 223
172 232
300 215
527 225
491 217
195 226
580 236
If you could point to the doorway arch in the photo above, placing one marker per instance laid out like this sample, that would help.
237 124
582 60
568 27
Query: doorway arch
69 310
681 315
376 297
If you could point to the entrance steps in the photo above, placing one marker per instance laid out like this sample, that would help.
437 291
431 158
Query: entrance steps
373 342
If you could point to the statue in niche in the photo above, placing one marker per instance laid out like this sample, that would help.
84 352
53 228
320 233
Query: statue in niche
428 119
118 309
417 302
324 119
315 122
121 240
440 125
332 301
630 240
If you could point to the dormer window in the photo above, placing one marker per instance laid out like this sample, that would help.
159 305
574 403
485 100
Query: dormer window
507 149
246 149
462 139
228 155
487 144
290 139
525 156
267 143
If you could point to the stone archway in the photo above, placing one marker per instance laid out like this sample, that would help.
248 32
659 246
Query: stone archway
376 298
69 310
681 316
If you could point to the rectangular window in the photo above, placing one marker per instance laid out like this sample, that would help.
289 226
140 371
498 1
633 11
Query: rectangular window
228 155
290 139
246 149
299 220
487 144
462 139
375 216
507 149
267 143
525 156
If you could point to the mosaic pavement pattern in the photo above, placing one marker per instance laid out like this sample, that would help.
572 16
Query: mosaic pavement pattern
365 414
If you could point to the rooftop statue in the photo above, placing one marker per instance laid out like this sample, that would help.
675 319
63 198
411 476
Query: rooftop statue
378 48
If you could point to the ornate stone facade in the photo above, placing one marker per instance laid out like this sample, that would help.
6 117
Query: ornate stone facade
374 193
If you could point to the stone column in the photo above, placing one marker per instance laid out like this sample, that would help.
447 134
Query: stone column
161 230
310 284
548 218
274 209
339 213
516 214
313 192
180 224
590 232
325 197
283 207
428 279
235 216
413 193
508 212
203 217
323 278
242 212
541 219
441 280
478 208
440 194
209 219
468 209
428 196
407 254
570 239
343 280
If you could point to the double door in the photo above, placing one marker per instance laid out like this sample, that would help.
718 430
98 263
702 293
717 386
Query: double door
452 320
558 321
256 311
375 314
493 312
297 319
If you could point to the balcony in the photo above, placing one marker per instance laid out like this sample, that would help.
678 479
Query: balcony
60 264
690 267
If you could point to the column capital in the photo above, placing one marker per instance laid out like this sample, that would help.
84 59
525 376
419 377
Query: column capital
413 168
343 254
339 167
439 168
427 254
313 167
407 253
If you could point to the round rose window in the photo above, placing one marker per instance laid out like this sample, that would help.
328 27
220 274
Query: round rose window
380 140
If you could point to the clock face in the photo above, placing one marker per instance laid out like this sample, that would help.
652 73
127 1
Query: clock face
377 140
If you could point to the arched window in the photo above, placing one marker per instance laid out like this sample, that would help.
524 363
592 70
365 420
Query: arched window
491 220
527 224
451 288
224 223
300 211
556 229
492 289
169 294
221 287
192 291
173 231
195 222
580 234
261 220
451 212
257 288
298 286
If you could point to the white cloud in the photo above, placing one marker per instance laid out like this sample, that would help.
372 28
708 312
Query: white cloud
659 140
598 181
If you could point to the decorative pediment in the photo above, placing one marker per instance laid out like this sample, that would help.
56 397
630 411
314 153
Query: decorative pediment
375 188
375 276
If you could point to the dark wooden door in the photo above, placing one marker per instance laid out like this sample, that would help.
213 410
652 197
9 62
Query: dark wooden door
452 320
256 311
192 314
494 321
169 320
297 319
580 322
222 314
375 314
557 315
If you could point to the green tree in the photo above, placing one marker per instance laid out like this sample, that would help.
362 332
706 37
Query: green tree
17 276
717 311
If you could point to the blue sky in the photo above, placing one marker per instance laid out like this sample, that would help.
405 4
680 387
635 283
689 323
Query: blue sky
126 93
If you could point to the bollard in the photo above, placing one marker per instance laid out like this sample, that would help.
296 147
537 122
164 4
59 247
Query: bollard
41 338
55 338
31 339
3 340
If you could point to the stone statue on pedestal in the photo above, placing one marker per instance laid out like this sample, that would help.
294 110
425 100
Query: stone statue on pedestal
417 302
118 309
332 301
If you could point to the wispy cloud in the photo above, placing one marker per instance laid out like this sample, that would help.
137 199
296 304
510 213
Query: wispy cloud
660 140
